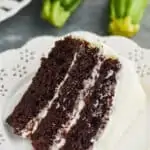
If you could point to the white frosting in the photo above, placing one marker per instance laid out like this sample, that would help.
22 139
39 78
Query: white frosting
88 84
33 124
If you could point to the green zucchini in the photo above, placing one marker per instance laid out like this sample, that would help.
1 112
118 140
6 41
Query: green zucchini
125 16
57 12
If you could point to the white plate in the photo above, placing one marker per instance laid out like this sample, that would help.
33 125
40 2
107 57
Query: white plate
8 8
18 66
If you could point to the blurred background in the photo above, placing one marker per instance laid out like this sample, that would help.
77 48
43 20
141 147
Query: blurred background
91 16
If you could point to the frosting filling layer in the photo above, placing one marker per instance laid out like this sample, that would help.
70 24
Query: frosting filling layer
44 85
68 96
94 117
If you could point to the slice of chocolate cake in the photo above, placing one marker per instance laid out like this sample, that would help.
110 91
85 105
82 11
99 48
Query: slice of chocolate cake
77 98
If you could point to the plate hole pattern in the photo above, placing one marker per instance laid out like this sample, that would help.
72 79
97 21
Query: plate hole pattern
3 74
143 70
3 90
27 55
2 139
136 55
19 71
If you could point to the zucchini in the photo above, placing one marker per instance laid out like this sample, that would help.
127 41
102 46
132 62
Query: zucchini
125 16
57 12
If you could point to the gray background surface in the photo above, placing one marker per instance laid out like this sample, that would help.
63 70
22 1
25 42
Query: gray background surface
91 16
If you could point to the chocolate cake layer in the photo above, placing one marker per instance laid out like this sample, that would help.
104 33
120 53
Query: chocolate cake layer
62 108
95 115
43 87
68 104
